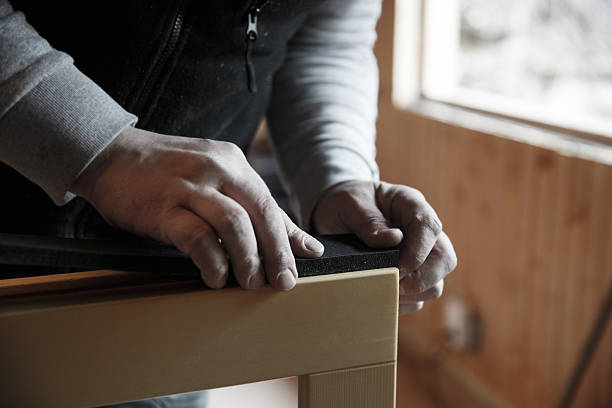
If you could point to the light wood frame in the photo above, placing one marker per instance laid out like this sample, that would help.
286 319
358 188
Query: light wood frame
94 347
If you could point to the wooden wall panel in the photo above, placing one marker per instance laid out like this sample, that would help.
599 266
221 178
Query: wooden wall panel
532 229
533 232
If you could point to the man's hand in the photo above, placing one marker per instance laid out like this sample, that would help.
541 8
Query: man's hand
191 193
384 215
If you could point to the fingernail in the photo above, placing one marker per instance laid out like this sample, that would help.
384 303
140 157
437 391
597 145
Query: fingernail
395 233
285 280
313 245
255 281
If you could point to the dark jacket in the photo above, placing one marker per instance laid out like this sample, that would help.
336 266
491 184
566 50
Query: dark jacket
181 66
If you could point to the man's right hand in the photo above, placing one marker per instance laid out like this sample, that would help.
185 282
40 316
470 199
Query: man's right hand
203 197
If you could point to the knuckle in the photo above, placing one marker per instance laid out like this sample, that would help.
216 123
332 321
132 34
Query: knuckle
437 291
217 153
214 161
294 232
416 282
231 149
195 238
429 221
374 221
251 262
234 220
407 194
420 256
284 257
268 207
415 194
451 261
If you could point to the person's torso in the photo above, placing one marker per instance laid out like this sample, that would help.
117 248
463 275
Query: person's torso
180 66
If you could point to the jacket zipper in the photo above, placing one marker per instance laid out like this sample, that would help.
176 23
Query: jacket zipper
251 36
173 39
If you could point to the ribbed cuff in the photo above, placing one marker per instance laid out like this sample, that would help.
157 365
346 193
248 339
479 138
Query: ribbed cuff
55 131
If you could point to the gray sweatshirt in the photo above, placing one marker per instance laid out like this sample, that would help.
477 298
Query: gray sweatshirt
54 120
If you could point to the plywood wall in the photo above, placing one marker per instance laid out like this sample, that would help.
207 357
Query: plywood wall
533 232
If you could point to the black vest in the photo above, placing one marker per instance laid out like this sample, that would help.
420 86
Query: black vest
187 68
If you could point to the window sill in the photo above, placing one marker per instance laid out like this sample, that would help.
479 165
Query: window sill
589 147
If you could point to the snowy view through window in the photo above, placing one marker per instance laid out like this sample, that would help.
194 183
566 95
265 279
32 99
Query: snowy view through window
549 54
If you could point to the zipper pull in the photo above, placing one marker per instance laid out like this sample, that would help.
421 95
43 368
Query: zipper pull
251 37
251 31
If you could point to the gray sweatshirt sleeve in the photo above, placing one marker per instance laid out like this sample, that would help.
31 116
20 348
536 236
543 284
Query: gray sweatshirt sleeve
53 119
324 103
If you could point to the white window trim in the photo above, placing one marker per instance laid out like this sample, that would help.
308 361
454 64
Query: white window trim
479 110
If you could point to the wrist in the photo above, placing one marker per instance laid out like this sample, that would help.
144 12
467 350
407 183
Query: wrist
85 184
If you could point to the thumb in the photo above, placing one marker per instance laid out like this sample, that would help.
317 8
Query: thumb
371 226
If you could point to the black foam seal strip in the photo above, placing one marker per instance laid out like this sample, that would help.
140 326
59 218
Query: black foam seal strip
346 253
30 255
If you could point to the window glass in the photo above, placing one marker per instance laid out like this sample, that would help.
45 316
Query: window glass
549 60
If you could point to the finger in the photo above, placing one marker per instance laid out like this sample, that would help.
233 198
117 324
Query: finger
370 225
270 229
232 224
430 294
410 308
359 214
440 262
408 208
302 243
191 235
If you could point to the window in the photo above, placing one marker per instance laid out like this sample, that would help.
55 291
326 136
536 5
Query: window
542 61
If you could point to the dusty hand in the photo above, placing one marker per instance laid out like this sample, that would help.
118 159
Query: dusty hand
191 192
384 215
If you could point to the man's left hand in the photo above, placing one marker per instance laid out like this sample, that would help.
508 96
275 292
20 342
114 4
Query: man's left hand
384 215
